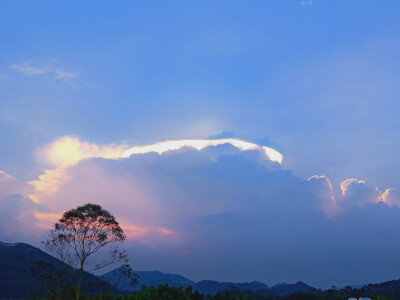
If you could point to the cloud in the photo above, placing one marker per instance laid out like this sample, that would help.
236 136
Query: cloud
233 212
391 197
66 76
16 216
66 152
16 209
322 188
227 211
70 150
153 193
11 186
357 193
163 147
31 69
353 193
307 2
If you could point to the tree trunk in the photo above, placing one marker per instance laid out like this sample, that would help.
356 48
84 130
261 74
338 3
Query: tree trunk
79 282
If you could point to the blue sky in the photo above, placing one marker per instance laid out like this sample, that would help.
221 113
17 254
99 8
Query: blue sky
315 80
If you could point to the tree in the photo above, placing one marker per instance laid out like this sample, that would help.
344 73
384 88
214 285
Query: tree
82 232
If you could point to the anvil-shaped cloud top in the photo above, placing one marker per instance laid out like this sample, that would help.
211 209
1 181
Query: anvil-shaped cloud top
165 146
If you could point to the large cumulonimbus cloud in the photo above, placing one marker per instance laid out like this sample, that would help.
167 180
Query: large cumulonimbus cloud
228 212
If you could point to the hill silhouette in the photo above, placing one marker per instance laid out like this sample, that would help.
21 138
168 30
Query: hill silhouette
17 281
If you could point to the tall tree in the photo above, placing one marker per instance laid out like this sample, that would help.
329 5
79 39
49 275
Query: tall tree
82 232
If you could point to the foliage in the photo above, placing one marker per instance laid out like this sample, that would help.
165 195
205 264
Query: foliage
165 292
83 232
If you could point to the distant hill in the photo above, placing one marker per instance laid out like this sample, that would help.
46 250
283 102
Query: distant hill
284 289
18 282
212 287
147 279
155 278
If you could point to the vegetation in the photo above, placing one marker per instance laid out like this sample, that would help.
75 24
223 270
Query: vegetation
164 292
81 233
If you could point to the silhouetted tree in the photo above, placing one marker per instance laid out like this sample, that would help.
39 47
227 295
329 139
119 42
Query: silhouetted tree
82 232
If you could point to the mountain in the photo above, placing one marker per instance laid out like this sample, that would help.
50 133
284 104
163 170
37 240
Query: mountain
212 287
284 289
156 278
17 281
147 279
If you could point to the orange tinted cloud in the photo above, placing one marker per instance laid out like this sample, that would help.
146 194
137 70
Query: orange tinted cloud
64 153
52 217
46 220
67 151
344 185
148 234
391 197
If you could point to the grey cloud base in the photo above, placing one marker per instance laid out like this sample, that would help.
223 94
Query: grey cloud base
229 215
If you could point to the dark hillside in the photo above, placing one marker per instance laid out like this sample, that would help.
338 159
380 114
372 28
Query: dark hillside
17 281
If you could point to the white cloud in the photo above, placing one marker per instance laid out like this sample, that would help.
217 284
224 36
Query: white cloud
353 194
190 206
391 197
33 69
307 2
27 70
67 151
357 193
66 76
201 203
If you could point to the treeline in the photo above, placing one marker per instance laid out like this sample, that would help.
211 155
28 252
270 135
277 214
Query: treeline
162 292
165 292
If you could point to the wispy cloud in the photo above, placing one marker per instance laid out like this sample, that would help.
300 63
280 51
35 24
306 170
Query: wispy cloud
307 2
32 69
29 70
66 76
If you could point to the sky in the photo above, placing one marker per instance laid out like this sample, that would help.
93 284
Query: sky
87 89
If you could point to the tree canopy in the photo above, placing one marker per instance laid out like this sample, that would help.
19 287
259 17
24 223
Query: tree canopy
82 232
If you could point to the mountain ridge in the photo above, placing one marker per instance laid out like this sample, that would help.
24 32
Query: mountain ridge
204 286
18 282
